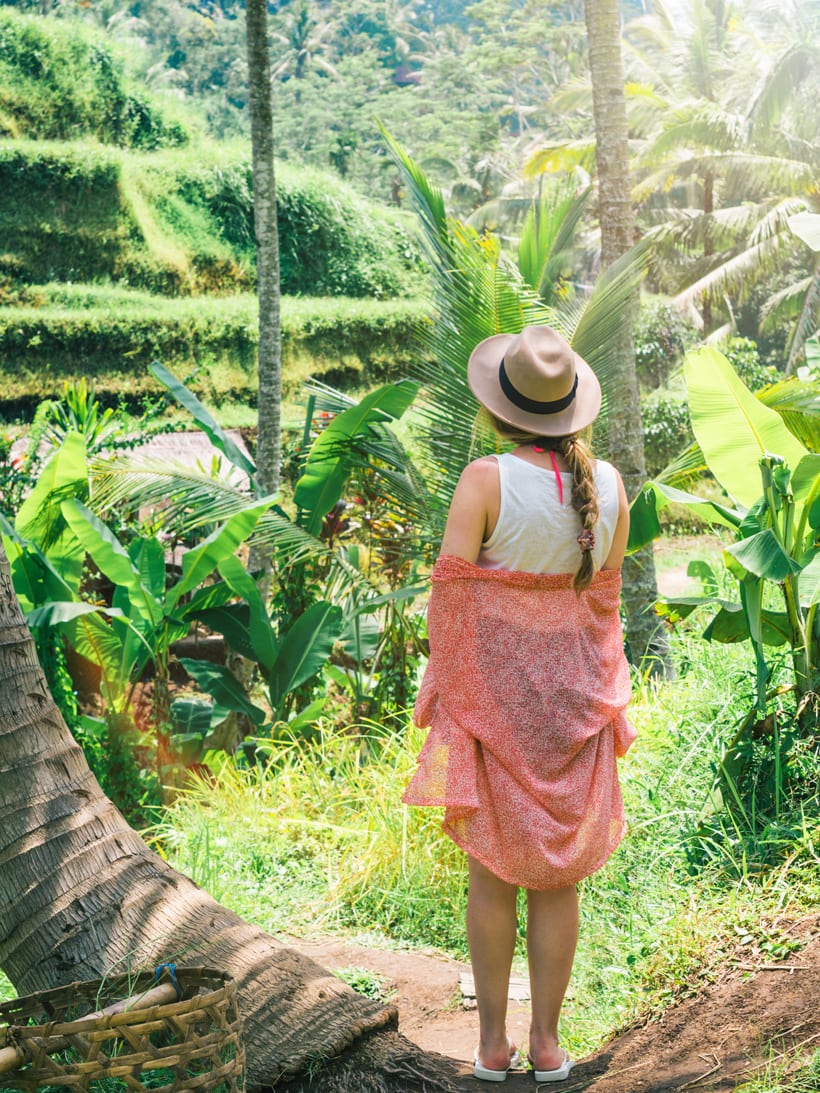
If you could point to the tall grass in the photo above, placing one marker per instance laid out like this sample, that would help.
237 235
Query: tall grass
319 842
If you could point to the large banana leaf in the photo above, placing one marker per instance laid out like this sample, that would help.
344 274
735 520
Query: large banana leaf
644 522
733 428
223 686
65 475
199 562
264 646
112 558
36 579
215 433
305 649
329 460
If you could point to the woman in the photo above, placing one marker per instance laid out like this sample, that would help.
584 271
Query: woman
527 683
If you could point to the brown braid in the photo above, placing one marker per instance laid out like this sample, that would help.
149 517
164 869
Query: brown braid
584 500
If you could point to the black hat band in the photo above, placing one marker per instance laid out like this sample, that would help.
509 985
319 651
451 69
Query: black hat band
531 405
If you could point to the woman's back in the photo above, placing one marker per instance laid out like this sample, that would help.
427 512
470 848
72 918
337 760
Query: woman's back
537 527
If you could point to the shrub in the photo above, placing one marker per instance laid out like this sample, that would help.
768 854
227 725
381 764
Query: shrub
661 337
179 223
60 81
666 430
111 335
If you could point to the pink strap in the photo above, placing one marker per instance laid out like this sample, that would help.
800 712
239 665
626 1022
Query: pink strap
557 477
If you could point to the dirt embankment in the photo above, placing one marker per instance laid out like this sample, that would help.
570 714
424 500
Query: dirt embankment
752 1018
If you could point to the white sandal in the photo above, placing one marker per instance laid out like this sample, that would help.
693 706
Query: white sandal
559 1074
485 1074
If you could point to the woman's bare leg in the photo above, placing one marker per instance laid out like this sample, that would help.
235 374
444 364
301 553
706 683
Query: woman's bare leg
491 927
552 933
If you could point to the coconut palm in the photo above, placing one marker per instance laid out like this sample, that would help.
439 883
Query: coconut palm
724 162
726 144
302 42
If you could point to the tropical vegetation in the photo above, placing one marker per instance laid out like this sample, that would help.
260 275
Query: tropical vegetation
239 667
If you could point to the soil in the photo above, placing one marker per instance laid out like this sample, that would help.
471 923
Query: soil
752 1017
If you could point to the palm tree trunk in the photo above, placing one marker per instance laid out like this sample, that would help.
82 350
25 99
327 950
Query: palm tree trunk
82 897
617 221
267 249
709 246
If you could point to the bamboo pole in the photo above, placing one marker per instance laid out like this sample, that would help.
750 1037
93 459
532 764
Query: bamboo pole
12 1057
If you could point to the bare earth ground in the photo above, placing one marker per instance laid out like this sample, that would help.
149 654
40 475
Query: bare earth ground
716 1040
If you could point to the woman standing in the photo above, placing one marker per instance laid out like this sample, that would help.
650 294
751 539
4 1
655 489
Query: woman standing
527 682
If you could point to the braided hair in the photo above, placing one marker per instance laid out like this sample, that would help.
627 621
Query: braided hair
584 496
584 500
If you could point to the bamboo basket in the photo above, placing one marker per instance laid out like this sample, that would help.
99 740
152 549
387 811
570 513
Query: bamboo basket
170 1031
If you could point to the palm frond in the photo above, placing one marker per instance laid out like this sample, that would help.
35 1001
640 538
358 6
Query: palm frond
778 85
187 499
807 321
560 157
686 469
798 403
575 94
546 236
784 306
698 125
599 327
734 274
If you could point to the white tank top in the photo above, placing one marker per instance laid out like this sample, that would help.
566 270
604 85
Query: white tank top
537 531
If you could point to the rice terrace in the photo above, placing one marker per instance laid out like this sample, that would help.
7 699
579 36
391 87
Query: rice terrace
410 563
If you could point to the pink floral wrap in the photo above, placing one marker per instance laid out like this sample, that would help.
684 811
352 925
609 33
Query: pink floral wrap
524 694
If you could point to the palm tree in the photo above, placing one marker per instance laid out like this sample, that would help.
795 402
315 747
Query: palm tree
479 291
267 250
303 41
616 219
726 145
724 167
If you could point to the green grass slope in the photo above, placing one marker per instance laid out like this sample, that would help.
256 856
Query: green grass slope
181 222
59 333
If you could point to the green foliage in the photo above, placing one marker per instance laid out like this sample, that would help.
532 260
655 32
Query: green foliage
316 842
661 336
480 291
59 83
776 563
666 430
111 335
744 357
182 222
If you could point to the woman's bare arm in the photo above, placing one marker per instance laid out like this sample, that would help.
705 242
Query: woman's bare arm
615 558
473 510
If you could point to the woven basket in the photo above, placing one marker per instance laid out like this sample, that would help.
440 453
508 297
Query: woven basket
65 1043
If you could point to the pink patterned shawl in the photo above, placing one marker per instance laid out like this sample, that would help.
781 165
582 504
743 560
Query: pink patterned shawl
524 693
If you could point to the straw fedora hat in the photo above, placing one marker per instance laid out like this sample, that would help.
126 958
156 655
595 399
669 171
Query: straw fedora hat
535 381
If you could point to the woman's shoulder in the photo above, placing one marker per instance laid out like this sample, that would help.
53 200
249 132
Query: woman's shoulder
607 471
483 469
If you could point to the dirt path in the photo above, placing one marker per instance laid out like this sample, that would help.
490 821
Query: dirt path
713 1042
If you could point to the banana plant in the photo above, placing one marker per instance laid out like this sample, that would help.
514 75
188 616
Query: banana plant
285 661
773 482
155 615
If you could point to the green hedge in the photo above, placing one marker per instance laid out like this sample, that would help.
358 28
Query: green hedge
181 222
111 336
61 81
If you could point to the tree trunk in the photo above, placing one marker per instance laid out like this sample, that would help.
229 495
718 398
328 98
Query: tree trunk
709 246
82 897
267 249
645 637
